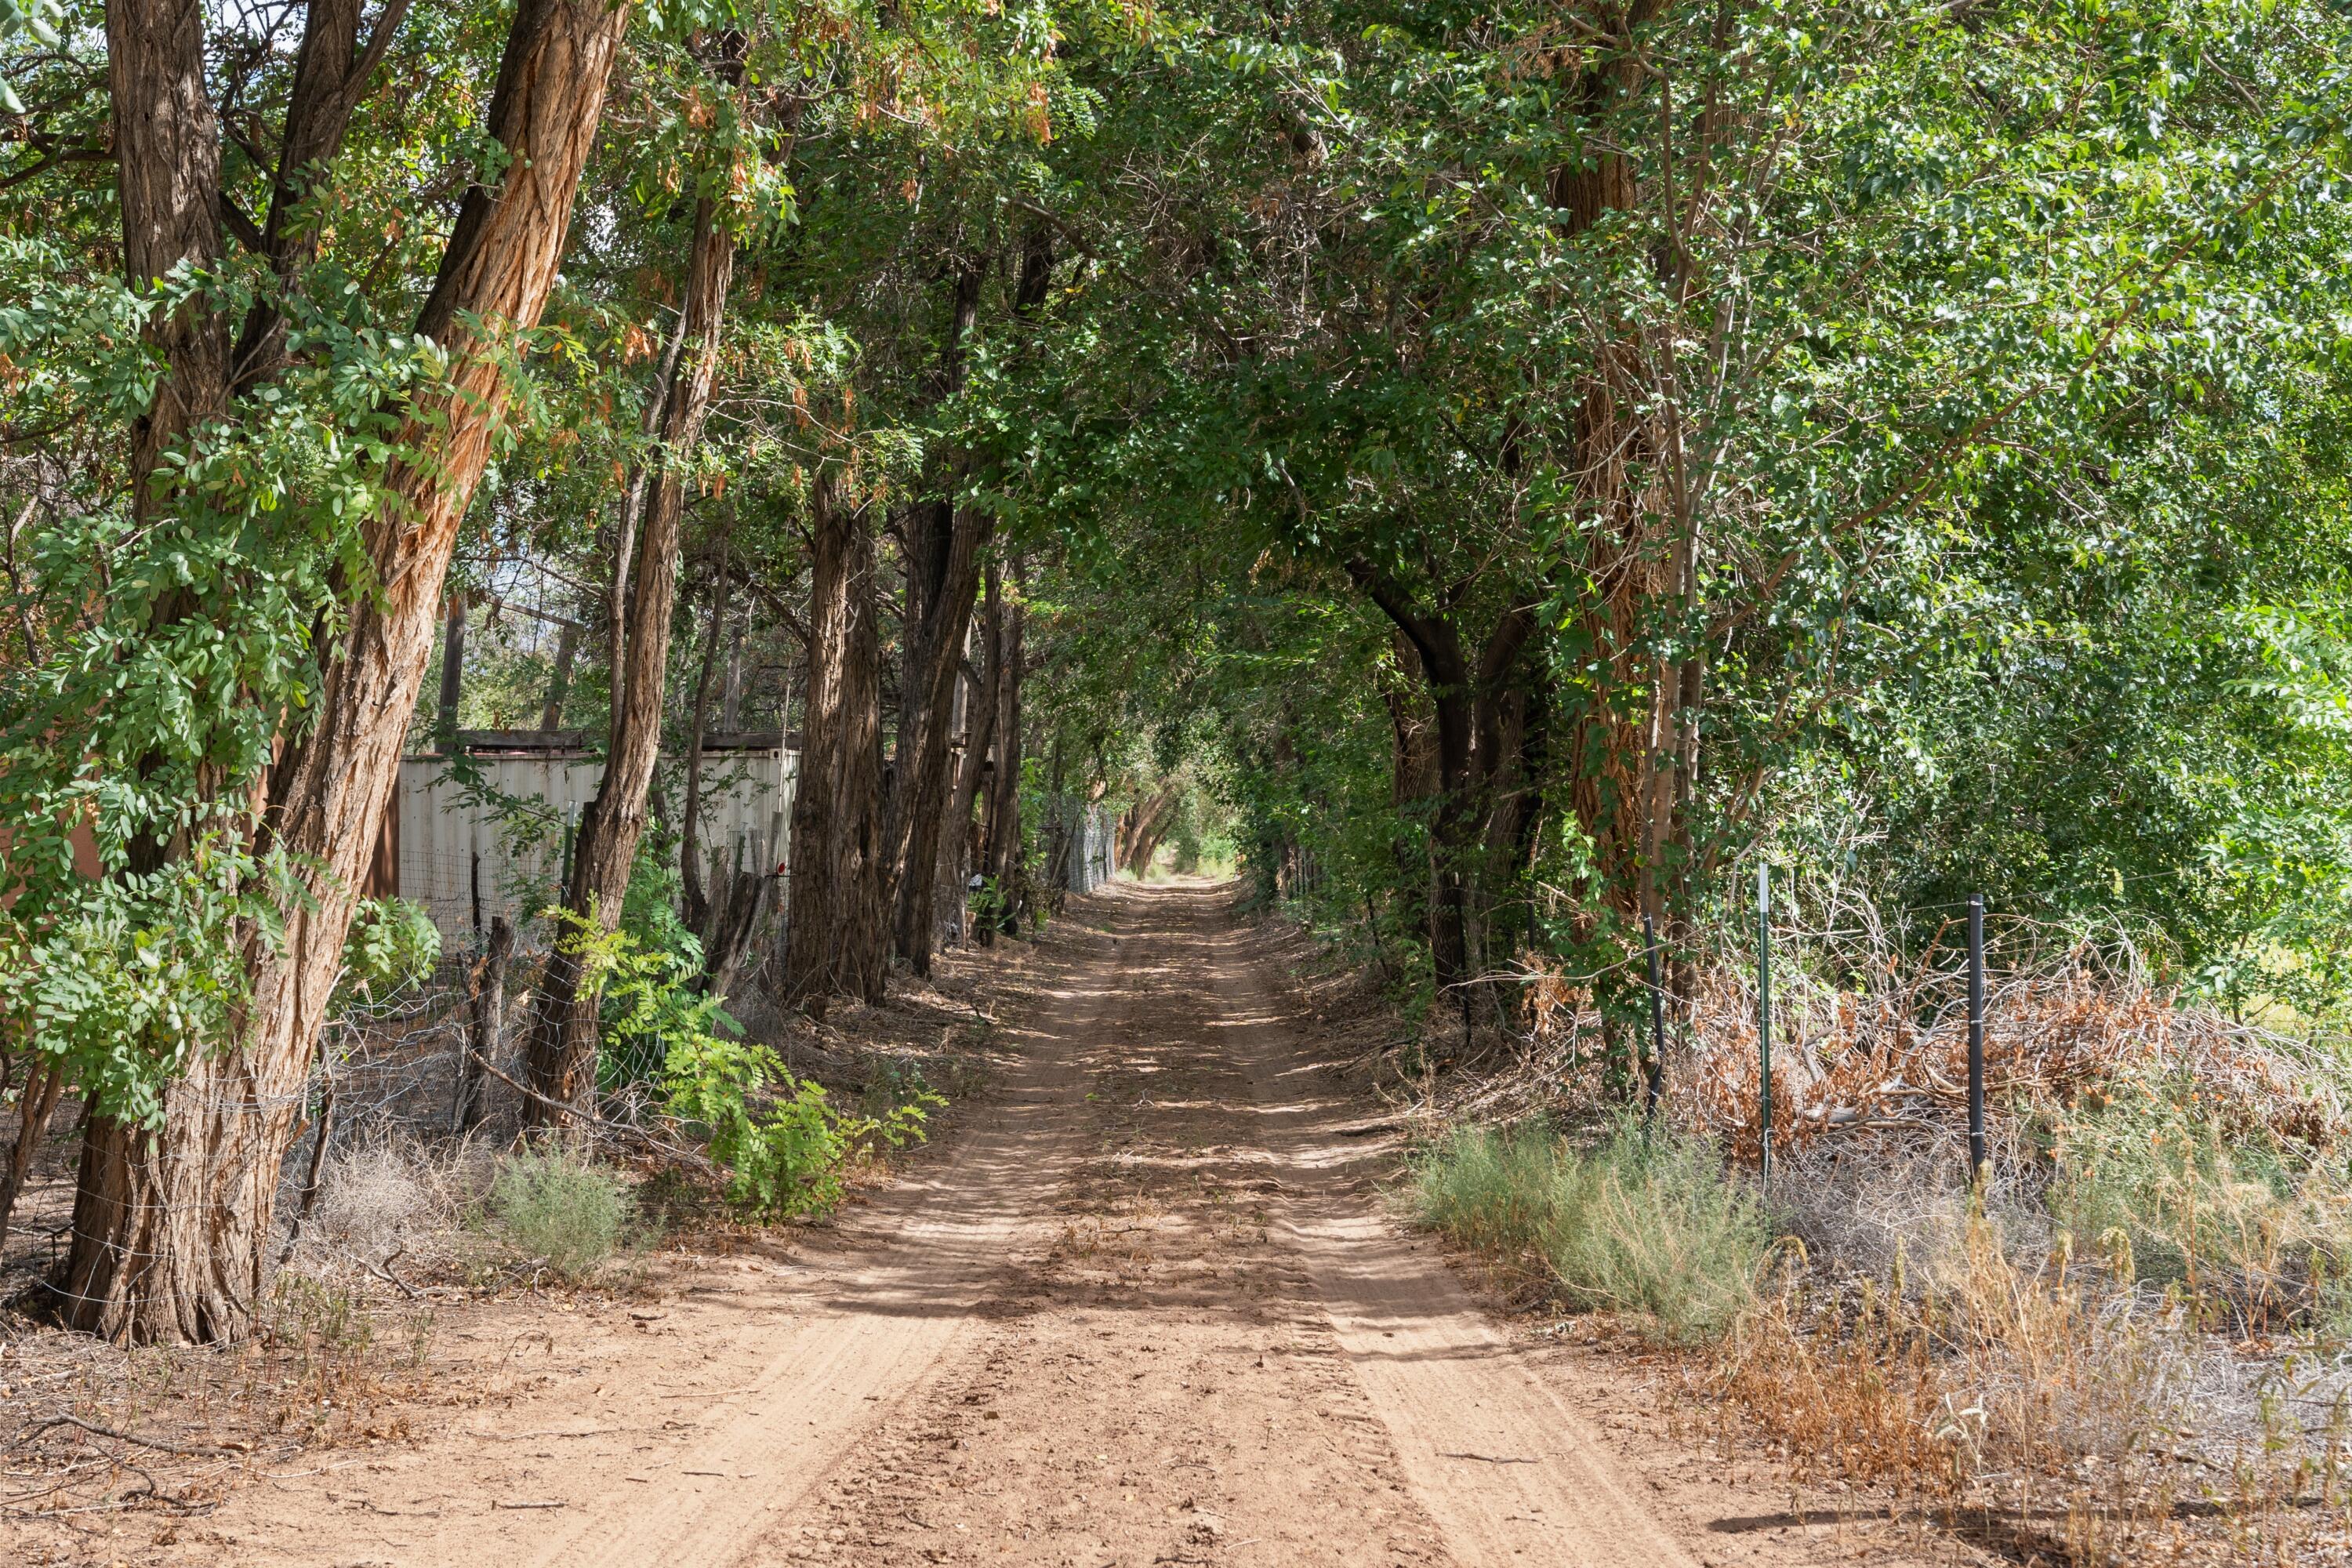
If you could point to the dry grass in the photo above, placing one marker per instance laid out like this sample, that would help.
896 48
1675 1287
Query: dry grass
1642 1226
1867 1040
2044 1409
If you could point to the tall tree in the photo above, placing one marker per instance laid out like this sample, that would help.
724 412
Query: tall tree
945 538
170 1221
563 1058
837 930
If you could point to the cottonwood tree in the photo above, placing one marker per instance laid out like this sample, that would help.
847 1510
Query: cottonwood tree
1627 363
563 1051
231 718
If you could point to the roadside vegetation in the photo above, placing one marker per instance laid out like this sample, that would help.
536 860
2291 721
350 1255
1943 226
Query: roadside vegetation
1636 1223
2140 1319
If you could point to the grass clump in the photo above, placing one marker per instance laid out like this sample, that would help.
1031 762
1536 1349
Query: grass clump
1641 1224
553 1204
2171 1189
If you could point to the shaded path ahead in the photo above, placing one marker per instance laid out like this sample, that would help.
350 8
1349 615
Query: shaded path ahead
1148 1310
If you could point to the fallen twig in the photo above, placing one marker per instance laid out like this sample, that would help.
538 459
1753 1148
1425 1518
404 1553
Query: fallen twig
62 1420
384 1272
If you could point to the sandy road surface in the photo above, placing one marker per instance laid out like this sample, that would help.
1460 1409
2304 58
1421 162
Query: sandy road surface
1146 1311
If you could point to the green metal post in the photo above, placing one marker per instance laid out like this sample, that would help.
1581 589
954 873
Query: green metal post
1655 1088
1764 1006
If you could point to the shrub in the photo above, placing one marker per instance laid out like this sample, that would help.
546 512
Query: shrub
554 1204
784 1142
1491 1192
392 944
781 1135
373 1200
1642 1224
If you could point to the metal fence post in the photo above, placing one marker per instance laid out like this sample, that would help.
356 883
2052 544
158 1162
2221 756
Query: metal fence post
1656 1086
1978 1157
1764 1009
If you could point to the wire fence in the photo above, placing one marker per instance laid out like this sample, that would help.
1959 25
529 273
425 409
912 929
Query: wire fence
1844 1026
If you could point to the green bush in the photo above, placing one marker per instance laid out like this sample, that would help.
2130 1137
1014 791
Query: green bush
392 944
1642 1224
784 1142
553 1204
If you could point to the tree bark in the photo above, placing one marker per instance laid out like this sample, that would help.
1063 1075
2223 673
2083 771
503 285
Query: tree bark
486 1008
167 155
1139 835
1004 796
559 679
972 764
452 669
733 917
1414 788
1478 743
331 68
1633 742
959 840
1061 836
694 899
836 935
563 1062
43 1083
943 563
170 1225
946 563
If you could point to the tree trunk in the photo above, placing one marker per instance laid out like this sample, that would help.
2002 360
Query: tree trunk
559 679
485 1009
733 917
1004 796
563 1063
918 802
331 70
694 900
730 699
835 938
1478 743
1061 832
170 1226
167 155
1414 788
947 567
453 671
43 1083
1145 825
959 843
972 764
1633 736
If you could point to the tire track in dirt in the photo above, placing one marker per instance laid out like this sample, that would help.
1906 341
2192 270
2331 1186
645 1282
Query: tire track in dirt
1229 1355
1508 1471
1157 1384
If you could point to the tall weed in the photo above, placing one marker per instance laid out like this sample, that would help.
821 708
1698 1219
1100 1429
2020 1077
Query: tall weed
1643 1224
784 1142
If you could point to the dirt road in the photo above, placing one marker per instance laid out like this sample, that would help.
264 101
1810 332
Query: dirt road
1147 1310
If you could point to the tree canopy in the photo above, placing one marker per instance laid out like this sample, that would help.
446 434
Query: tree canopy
1511 468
